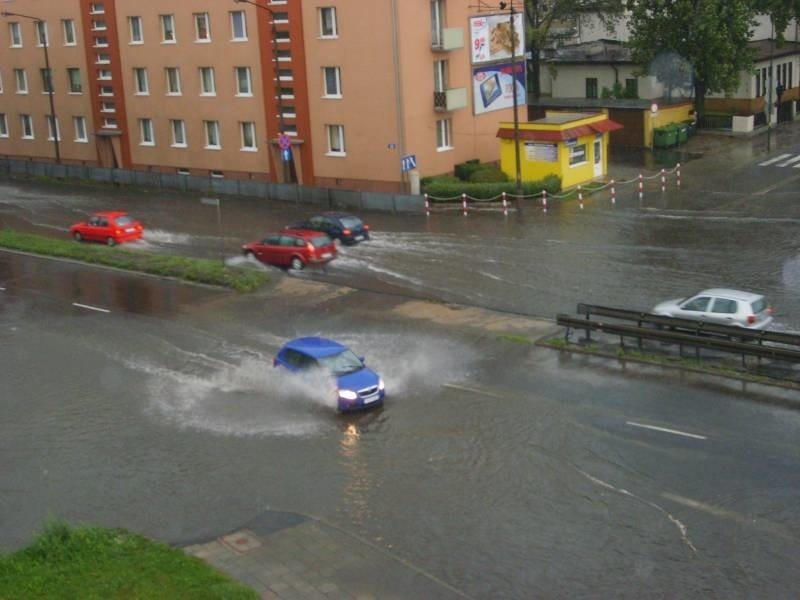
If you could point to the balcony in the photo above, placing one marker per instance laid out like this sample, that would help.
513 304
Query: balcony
451 38
451 99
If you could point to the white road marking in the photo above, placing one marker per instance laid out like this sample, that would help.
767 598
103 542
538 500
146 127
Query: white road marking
87 307
464 388
773 160
2 289
665 430
790 161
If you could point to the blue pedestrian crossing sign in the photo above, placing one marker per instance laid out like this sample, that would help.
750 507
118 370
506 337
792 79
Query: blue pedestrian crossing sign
286 155
408 162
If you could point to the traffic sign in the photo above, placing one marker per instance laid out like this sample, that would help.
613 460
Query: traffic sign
407 163
284 142
286 155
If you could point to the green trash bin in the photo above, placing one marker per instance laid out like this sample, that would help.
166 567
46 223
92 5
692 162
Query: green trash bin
683 133
661 137
692 126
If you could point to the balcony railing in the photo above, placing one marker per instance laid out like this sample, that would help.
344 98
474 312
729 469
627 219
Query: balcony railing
451 99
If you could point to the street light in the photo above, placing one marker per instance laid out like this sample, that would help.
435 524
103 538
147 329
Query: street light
286 169
45 44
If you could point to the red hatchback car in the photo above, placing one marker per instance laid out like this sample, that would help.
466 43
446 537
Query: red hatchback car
110 227
292 248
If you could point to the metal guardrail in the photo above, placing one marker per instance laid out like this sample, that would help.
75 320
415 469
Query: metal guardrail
697 327
680 339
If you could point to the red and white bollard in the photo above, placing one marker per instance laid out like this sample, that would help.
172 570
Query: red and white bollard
580 197
427 206
613 193
464 203
663 181
505 205
641 187
544 200
678 171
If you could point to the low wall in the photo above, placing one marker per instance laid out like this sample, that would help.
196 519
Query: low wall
328 197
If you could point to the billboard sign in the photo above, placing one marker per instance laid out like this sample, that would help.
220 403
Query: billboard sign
490 38
493 86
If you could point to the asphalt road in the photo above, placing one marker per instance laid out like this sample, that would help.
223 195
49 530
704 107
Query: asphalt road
506 470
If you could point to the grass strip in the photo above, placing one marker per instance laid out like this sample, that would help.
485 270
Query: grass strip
197 270
93 562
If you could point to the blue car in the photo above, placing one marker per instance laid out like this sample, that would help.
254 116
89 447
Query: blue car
358 387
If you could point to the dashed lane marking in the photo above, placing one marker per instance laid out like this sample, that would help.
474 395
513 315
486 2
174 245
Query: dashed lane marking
464 388
786 163
773 160
666 430
87 307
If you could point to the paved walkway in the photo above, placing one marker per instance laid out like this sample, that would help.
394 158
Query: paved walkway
289 556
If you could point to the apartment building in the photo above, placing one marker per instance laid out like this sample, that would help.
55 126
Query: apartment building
332 93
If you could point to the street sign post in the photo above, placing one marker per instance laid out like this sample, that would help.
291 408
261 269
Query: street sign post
408 163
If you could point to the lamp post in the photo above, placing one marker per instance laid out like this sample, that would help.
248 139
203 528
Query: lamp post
769 97
45 44
512 12
285 163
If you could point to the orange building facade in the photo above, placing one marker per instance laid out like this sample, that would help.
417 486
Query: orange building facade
330 93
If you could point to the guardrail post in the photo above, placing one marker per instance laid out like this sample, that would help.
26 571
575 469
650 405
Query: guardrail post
544 200
580 197
464 203
663 181
641 187
427 206
613 193
678 171
505 205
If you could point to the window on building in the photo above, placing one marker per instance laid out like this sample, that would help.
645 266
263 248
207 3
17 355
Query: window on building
110 123
1 83
591 87
285 75
758 84
3 125
440 76
15 34
577 154
135 28
103 58
146 132
286 93
178 127
333 83
248 136
328 27
140 81
207 85
42 39
443 134
212 134
97 8
335 139
202 32
244 84
437 22
109 107
99 25
282 36
100 41
168 29
74 76
632 87
26 122
68 28
238 25
47 80
104 74
53 130
106 90
173 76
21 78
79 124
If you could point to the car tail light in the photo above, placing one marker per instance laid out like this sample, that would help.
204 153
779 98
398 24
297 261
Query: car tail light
366 227
346 232
118 232
309 246
751 319
139 227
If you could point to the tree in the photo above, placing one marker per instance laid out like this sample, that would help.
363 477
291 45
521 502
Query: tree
711 35
780 12
540 15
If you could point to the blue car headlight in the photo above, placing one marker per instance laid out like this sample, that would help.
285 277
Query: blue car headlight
348 395
380 384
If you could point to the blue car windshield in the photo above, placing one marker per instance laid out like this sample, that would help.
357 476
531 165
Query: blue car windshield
341 364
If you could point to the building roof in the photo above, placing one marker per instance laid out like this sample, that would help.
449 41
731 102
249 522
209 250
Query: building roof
764 49
598 103
557 135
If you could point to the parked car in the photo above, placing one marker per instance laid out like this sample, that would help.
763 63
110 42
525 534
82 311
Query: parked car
292 248
110 227
724 306
347 228
357 386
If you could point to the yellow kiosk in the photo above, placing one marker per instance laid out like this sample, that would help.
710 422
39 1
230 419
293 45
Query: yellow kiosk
572 145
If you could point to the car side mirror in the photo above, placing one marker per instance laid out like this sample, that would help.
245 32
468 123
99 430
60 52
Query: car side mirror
361 358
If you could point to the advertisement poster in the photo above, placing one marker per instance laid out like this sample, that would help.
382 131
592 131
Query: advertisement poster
493 87
490 38
541 152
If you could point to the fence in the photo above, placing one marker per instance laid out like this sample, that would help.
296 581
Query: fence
503 202
330 197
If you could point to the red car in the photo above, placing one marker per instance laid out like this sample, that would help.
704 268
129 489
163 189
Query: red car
110 227
292 248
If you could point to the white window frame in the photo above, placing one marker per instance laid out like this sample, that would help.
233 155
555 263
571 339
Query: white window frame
574 151
108 107
21 89
110 123
175 126
334 24
173 90
211 129
104 75
141 81
79 125
444 135
212 89
70 82
147 136
3 125
42 34
440 75
68 29
248 80
133 31
240 14
15 34
26 122
50 122
244 127
167 29
337 75
335 136
1 83
197 38
437 23
106 91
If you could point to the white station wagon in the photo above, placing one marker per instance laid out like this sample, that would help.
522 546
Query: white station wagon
723 306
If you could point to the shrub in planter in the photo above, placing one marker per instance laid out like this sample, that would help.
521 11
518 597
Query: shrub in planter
485 191
488 174
465 169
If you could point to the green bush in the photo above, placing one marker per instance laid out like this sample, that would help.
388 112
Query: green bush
483 191
464 170
488 174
